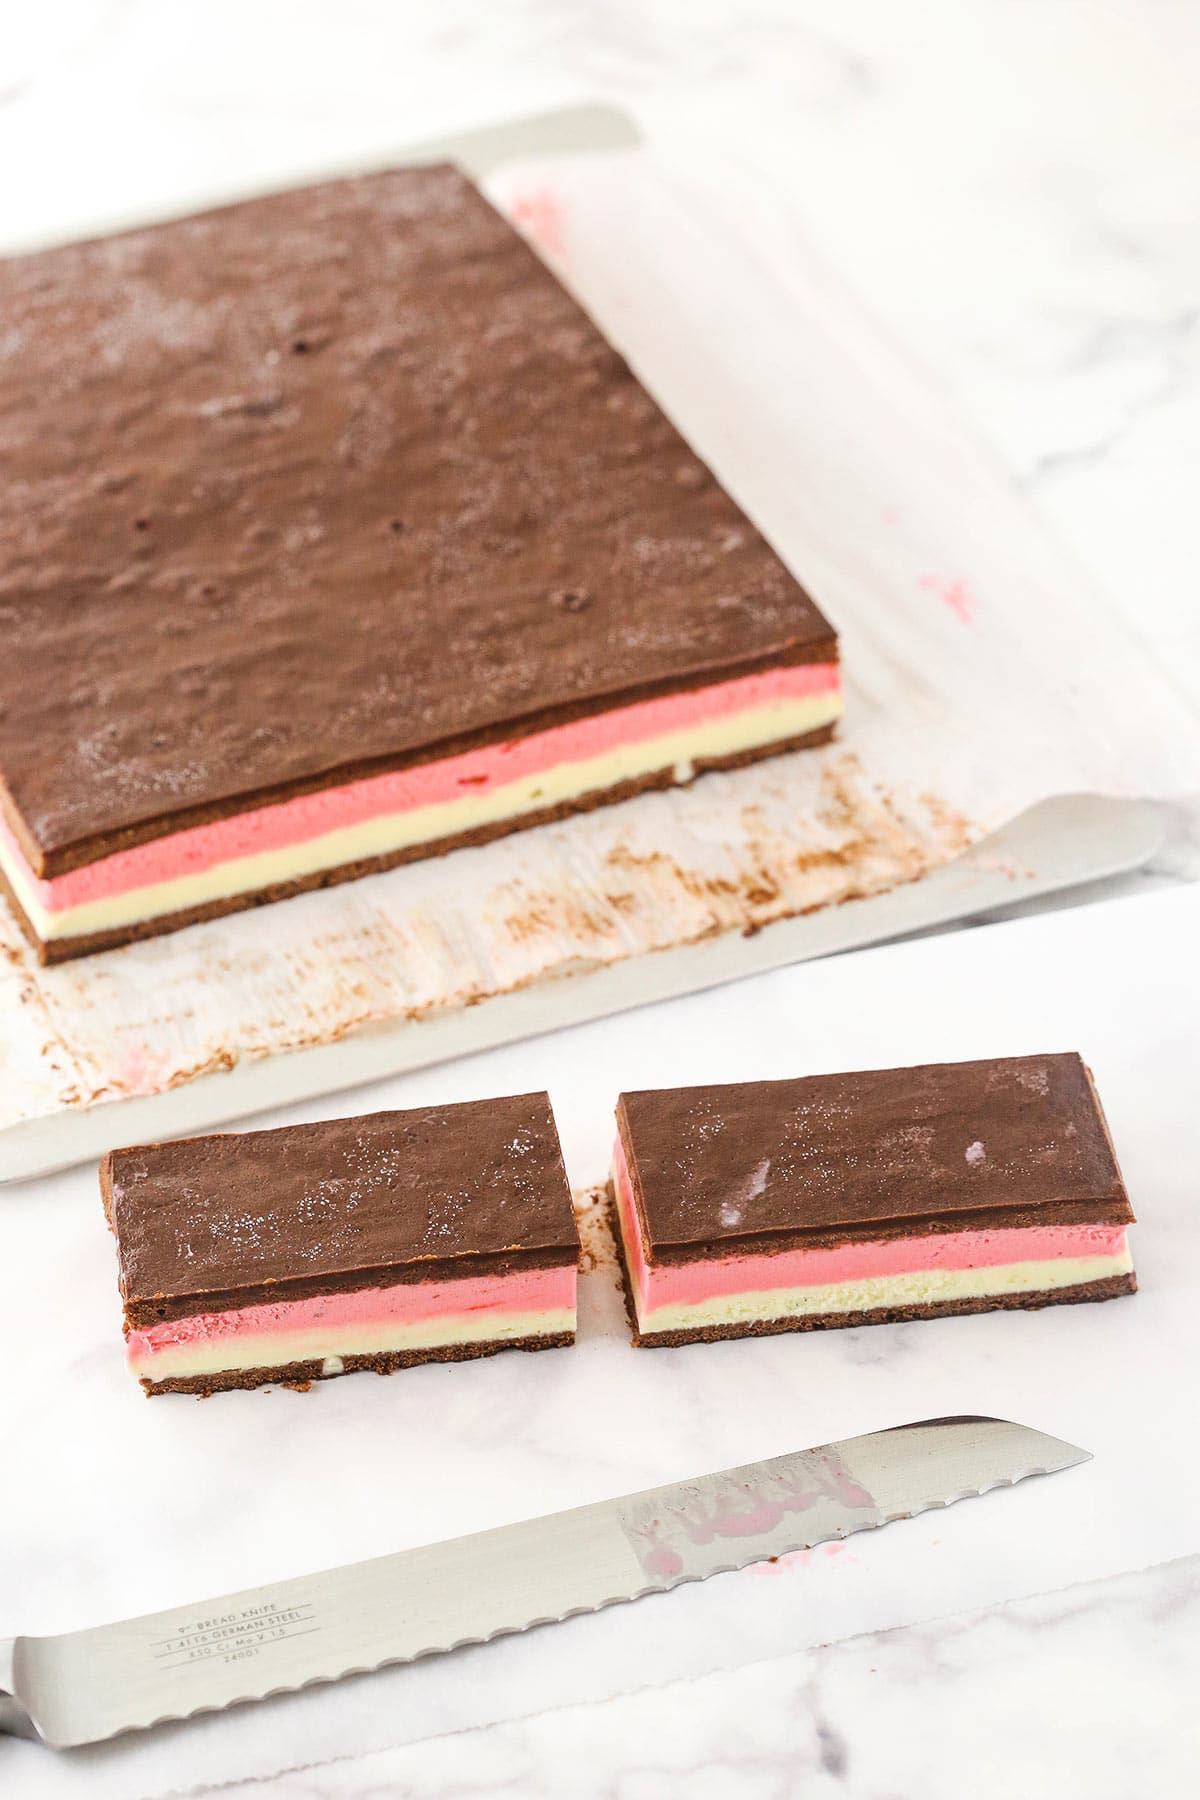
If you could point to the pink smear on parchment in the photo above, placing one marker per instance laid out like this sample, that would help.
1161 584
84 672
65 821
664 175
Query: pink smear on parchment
541 214
954 593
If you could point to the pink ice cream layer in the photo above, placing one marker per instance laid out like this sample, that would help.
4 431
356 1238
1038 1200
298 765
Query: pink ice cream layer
684 1284
309 816
404 1303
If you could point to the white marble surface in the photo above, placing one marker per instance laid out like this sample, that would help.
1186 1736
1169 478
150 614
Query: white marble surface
1087 1691
245 1488
1014 185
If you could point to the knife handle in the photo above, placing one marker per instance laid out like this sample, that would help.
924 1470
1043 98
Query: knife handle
14 1720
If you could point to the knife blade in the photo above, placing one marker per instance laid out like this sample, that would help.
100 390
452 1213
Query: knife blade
84 1686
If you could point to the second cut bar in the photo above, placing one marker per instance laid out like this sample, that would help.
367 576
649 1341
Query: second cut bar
868 1197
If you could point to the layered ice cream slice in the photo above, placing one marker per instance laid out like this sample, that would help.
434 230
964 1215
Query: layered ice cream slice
351 828
364 1243
377 567
869 1197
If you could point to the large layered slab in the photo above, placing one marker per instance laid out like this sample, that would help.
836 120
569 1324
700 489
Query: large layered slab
336 534
365 1243
862 1198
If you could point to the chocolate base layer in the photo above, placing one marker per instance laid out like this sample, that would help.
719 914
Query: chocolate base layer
1108 1289
301 1375
58 950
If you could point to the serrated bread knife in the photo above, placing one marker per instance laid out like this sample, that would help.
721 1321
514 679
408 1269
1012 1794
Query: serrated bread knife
88 1685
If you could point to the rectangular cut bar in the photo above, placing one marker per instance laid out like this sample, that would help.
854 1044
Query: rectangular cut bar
865 1198
365 1243
336 535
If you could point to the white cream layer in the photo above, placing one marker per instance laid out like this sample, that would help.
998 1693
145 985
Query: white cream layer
391 832
918 1287
279 1349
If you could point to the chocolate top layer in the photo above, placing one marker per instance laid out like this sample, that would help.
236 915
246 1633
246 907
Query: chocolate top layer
212 1222
325 483
892 1152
